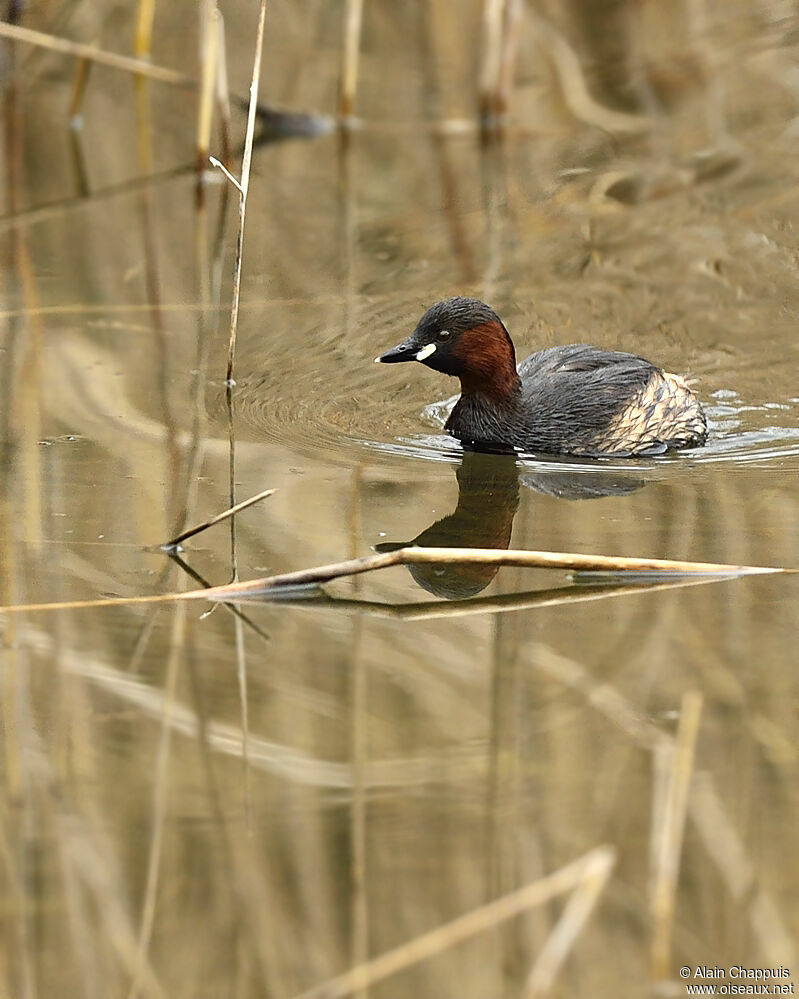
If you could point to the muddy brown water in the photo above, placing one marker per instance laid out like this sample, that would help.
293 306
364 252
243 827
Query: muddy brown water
203 804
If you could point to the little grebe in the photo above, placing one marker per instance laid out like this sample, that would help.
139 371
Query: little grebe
561 400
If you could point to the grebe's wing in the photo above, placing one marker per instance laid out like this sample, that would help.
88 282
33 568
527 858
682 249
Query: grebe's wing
580 357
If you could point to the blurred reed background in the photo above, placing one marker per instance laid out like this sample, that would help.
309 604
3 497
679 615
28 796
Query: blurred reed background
253 801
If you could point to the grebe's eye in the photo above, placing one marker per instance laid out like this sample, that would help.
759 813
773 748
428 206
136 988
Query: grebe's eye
443 335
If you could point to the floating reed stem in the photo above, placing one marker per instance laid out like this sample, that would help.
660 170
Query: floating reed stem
644 569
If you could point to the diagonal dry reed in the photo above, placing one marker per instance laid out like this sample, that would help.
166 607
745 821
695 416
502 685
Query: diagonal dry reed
94 54
230 512
565 932
594 865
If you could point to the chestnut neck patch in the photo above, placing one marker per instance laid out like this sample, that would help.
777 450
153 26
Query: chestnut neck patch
486 362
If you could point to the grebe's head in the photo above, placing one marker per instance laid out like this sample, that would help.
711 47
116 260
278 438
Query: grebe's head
461 337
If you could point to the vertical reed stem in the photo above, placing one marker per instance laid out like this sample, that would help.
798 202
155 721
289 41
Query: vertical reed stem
352 45
223 89
209 68
507 65
667 837
244 185
143 38
492 56
82 70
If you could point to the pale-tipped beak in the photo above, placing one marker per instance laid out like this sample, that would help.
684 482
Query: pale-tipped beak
402 352
405 351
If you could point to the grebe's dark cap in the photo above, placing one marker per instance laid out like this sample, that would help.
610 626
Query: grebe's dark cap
457 314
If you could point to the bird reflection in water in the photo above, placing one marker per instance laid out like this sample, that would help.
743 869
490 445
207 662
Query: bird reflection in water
488 498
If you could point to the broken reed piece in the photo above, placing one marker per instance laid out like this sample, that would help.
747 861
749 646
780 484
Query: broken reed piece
225 515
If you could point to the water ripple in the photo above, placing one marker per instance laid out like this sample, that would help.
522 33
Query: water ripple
389 419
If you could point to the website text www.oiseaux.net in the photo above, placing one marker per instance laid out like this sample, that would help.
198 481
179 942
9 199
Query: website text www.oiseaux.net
737 981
